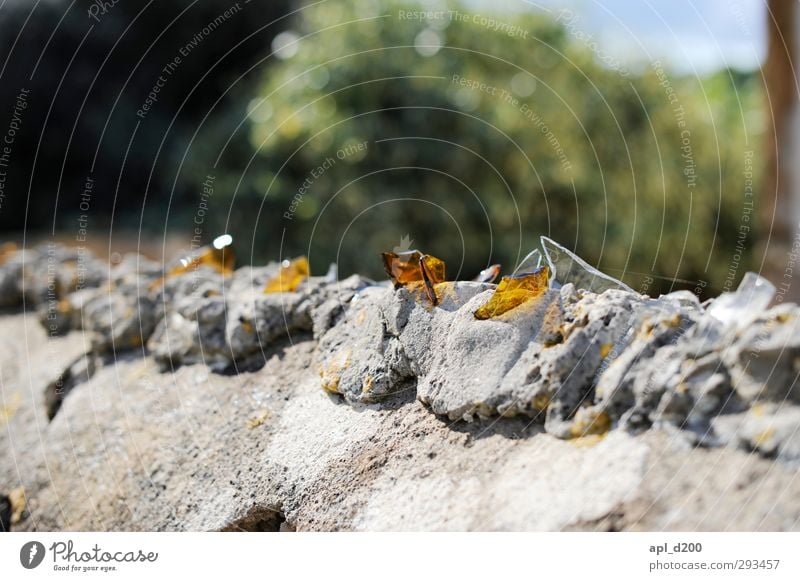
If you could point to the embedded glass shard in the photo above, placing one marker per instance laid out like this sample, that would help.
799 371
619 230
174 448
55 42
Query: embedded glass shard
412 266
753 296
218 255
513 291
530 263
333 273
291 275
488 274
685 298
566 267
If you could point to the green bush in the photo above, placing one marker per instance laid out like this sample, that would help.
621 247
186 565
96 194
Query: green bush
553 143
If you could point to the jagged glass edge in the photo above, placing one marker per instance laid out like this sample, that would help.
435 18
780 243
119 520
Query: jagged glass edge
535 252
581 262
751 297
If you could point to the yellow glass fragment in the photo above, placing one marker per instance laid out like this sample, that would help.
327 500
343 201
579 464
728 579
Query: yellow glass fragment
218 255
291 276
220 259
513 291
414 267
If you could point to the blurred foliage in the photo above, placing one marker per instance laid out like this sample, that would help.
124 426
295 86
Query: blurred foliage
475 178
587 155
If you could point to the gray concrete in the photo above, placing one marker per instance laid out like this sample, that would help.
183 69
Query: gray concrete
353 406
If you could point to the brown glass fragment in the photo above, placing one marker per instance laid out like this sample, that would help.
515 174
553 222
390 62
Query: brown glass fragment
290 277
218 255
513 291
412 266
220 259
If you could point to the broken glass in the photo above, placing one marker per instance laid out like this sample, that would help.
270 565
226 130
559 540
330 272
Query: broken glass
530 263
412 266
566 267
513 291
753 296
488 274
218 255
290 276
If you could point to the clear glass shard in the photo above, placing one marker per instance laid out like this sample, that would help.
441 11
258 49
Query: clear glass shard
740 307
488 274
566 266
333 273
530 263
685 298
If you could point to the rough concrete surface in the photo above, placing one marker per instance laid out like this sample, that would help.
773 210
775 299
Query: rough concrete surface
349 405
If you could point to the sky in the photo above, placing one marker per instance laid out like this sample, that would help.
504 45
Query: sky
692 35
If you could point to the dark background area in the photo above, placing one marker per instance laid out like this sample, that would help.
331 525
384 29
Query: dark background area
87 79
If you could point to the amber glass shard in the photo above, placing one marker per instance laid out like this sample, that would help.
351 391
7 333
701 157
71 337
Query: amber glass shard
290 277
432 273
220 259
413 266
218 255
513 291
488 274
405 267
6 250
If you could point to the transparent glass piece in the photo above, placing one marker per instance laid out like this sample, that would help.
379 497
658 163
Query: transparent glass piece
685 298
488 274
333 273
530 263
566 267
740 307
513 291
290 276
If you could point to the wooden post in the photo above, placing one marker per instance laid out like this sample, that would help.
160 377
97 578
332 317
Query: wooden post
779 204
